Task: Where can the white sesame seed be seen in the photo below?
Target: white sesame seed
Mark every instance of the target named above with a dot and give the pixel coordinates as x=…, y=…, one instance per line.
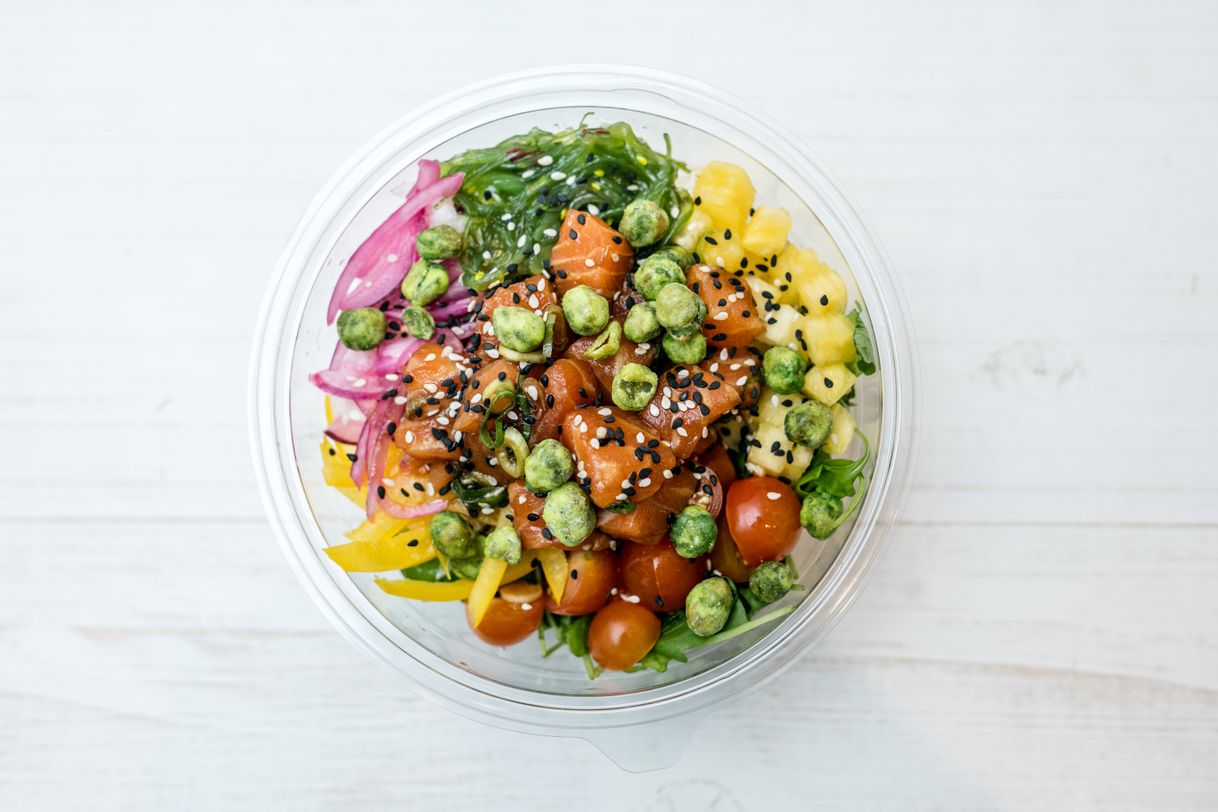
x=605, y=412
x=400, y=400
x=545, y=160
x=593, y=210
x=667, y=474
x=557, y=175
x=589, y=262
x=360, y=381
x=644, y=482
x=506, y=217
x=655, y=412
x=720, y=316
x=742, y=380
x=773, y=496
x=526, y=174
x=549, y=232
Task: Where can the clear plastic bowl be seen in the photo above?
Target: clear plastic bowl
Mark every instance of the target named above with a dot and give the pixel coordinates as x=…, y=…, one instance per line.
x=641, y=720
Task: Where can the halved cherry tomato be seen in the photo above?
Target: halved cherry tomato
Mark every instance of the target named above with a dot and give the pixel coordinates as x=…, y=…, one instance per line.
x=763, y=518
x=590, y=577
x=726, y=559
x=657, y=574
x=716, y=459
x=507, y=622
x=621, y=634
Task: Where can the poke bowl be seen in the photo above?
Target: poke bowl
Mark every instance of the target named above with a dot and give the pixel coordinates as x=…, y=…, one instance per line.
x=745, y=363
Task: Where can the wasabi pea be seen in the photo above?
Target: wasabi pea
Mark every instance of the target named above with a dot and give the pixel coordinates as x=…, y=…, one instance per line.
x=684, y=350
x=693, y=532
x=641, y=323
x=517, y=328
x=586, y=311
x=708, y=606
x=504, y=543
x=771, y=580
x=424, y=283
x=679, y=310
x=677, y=254
x=654, y=273
x=808, y=424
x=784, y=370
x=548, y=466
x=418, y=322
x=607, y=343
x=438, y=242
x=819, y=514
x=643, y=222
x=633, y=387
x=451, y=534
x=361, y=329
x=568, y=514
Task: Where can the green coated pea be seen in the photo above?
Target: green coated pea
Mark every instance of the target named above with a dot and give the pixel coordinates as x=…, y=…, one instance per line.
x=819, y=513
x=362, y=328
x=654, y=273
x=641, y=323
x=677, y=254
x=586, y=311
x=679, y=310
x=633, y=387
x=451, y=534
x=784, y=370
x=438, y=242
x=517, y=328
x=808, y=424
x=643, y=222
x=606, y=344
x=684, y=350
x=771, y=580
x=693, y=532
x=424, y=283
x=568, y=514
x=504, y=543
x=548, y=465
x=418, y=322
x=708, y=606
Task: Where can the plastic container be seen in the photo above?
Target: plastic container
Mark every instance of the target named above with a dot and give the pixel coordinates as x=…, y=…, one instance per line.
x=642, y=720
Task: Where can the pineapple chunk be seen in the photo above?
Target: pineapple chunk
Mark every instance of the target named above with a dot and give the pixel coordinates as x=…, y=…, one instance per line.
x=830, y=338
x=801, y=457
x=781, y=322
x=768, y=449
x=724, y=192
x=766, y=232
x=718, y=248
x=828, y=383
x=841, y=435
x=698, y=224
x=794, y=264
x=772, y=408
x=822, y=292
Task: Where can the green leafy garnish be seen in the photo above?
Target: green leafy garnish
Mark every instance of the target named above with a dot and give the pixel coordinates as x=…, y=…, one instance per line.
x=676, y=639
x=477, y=490
x=529, y=181
x=834, y=477
x=431, y=570
x=864, y=363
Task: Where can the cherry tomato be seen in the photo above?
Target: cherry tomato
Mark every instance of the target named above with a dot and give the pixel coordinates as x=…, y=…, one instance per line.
x=590, y=576
x=763, y=518
x=725, y=557
x=716, y=459
x=657, y=574
x=508, y=622
x=621, y=634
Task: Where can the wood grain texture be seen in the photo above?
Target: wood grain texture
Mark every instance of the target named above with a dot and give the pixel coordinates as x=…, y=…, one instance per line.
x=1044, y=630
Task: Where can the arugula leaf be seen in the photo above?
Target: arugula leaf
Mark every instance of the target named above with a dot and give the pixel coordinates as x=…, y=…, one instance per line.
x=676, y=638
x=864, y=363
x=833, y=477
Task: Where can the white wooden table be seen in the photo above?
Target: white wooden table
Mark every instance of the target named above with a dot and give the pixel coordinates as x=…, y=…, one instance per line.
x=1043, y=632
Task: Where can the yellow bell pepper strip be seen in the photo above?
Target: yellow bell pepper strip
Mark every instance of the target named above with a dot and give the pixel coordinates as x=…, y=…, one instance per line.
x=357, y=495
x=329, y=411
x=450, y=590
x=490, y=574
x=383, y=526
x=554, y=565
x=394, y=552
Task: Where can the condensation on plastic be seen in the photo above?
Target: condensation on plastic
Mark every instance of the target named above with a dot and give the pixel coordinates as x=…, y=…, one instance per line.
x=643, y=720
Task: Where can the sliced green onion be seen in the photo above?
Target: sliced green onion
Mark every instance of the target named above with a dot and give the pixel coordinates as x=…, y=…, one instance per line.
x=513, y=453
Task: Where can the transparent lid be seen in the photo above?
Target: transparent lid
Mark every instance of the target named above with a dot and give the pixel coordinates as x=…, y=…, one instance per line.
x=430, y=644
